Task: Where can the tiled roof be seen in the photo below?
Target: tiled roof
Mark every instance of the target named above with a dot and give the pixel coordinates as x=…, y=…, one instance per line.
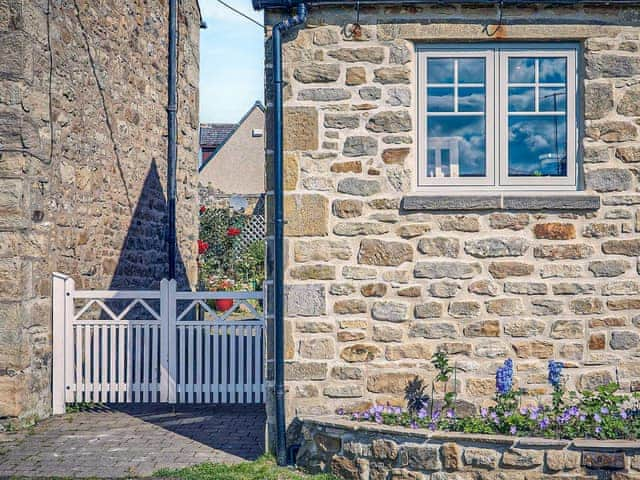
x=213, y=134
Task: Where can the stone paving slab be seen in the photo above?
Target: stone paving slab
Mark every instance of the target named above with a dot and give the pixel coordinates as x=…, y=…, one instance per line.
x=134, y=440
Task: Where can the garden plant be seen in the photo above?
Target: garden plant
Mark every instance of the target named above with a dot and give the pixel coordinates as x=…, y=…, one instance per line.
x=601, y=414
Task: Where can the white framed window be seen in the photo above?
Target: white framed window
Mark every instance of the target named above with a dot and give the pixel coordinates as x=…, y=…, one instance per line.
x=497, y=116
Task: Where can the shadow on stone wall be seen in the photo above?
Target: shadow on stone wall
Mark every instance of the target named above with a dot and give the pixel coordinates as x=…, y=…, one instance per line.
x=143, y=259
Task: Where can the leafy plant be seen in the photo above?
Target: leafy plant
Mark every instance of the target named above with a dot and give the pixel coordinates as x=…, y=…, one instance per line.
x=415, y=395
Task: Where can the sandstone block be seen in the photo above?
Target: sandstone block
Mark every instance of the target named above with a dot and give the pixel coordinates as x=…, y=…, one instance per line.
x=624, y=340
x=433, y=330
x=525, y=288
x=630, y=247
x=518, y=458
x=317, y=348
x=480, y=458
x=390, y=311
x=533, y=349
x=460, y=223
x=628, y=154
x=297, y=371
x=496, y=247
x=392, y=75
x=555, y=231
x=358, y=186
x=390, y=122
x=563, y=252
x=389, y=382
x=505, y=307
x=348, y=208
x=395, y=156
x=383, y=253
x=354, y=229
x=358, y=146
x=350, y=307
x=629, y=104
x=598, y=100
x=567, y=329
x=386, y=334
x=453, y=270
x=612, y=131
x=307, y=215
x=439, y=247
x=509, y=221
x=355, y=76
x=323, y=95
x=524, y=328
x=594, y=379
x=484, y=287
x=360, y=353
x=428, y=310
x=300, y=128
x=374, y=290
x=317, y=73
x=305, y=300
x=464, y=309
x=485, y=328
x=362, y=54
x=510, y=269
x=370, y=93
x=423, y=457
x=313, y=272
x=414, y=351
x=609, y=179
x=586, y=306
x=321, y=251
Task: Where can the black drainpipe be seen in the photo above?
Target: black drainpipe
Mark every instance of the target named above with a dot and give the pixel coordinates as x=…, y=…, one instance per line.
x=172, y=131
x=278, y=30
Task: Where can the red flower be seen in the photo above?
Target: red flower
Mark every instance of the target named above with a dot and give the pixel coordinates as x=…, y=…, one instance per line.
x=232, y=232
x=202, y=247
x=203, y=209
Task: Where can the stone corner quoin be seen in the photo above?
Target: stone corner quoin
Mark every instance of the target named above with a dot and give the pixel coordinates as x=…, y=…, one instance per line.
x=380, y=276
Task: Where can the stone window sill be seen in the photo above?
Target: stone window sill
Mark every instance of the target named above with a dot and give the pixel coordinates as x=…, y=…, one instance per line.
x=501, y=201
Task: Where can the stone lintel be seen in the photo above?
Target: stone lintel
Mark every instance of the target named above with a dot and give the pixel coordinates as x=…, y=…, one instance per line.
x=568, y=201
x=474, y=202
x=451, y=202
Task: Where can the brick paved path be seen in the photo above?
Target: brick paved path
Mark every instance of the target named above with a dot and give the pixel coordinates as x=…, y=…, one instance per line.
x=124, y=441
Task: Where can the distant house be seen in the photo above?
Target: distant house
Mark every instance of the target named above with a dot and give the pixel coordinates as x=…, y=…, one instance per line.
x=233, y=155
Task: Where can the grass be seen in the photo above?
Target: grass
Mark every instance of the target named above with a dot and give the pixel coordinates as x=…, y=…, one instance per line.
x=264, y=468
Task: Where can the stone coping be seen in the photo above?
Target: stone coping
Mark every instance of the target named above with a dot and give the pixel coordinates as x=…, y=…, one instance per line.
x=501, y=201
x=477, y=438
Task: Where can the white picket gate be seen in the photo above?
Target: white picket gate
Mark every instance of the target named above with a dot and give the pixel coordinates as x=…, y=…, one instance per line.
x=184, y=351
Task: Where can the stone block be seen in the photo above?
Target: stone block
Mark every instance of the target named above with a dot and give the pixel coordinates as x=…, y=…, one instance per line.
x=300, y=128
x=598, y=99
x=392, y=75
x=630, y=247
x=555, y=231
x=609, y=179
x=423, y=457
x=305, y=300
x=451, y=202
x=518, y=458
x=563, y=252
x=389, y=382
x=313, y=272
x=383, y=253
x=341, y=121
x=480, y=458
x=389, y=311
x=297, y=371
x=453, y=270
x=439, y=247
x=317, y=73
x=362, y=54
x=321, y=251
x=350, y=307
x=629, y=104
x=390, y=122
x=603, y=460
x=359, y=146
x=307, y=215
x=505, y=307
x=320, y=95
x=360, y=353
x=356, y=76
x=317, y=348
x=496, y=247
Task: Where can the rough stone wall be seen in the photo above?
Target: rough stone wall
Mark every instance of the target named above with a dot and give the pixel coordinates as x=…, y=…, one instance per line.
x=354, y=451
x=374, y=288
x=83, y=165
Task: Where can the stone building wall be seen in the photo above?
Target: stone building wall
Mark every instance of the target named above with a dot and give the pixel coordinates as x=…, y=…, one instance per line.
x=83, y=165
x=379, y=278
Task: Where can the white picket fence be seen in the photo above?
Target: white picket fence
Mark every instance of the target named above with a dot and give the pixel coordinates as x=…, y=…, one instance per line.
x=125, y=346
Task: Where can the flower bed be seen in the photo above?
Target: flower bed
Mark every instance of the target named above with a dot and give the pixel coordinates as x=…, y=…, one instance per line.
x=369, y=451
x=602, y=414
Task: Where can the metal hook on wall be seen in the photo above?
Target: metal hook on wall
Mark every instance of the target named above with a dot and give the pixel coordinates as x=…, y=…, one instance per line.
x=485, y=29
x=356, y=28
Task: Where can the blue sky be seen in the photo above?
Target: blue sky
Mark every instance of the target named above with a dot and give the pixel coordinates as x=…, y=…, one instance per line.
x=231, y=61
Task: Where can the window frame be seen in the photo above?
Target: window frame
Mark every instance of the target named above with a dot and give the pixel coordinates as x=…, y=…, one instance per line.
x=496, y=117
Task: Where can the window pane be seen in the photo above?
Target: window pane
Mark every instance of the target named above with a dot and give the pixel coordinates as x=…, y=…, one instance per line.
x=471, y=99
x=471, y=70
x=521, y=70
x=522, y=99
x=553, y=70
x=553, y=99
x=537, y=146
x=440, y=70
x=456, y=144
x=439, y=99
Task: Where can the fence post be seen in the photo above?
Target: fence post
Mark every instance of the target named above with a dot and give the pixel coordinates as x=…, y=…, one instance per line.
x=58, y=333
x=164, y=340
x=69, y=314
x=172, y=330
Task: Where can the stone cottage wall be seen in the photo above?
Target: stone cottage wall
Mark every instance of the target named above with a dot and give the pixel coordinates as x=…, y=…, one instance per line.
x=83, y=165
x=379, y=278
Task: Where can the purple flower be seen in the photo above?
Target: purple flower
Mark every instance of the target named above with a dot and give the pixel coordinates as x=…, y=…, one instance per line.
x=356, y=416
x=582, y=418
x=413, y=424
x=504, y=377
x=598, y=429
x=494, y=417
x=523, y=410
x=432, y=426
x=450, y=414
x=533, y=415
x=397, y=411
x=597, y=418
x=555, y=371
x=366, y=415
x=340, y=411
x=604, y=410
x=544, y=423
x=513, y=430
x=574, y=411
x=378, y=419
x=624, y=415
x=483, y=412
x=422, y=413
x=436, y=415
